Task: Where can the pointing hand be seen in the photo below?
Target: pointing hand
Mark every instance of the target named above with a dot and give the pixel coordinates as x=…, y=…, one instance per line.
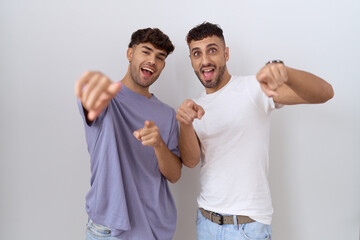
x=95, y=91
x=188, y=111
x=271, y=77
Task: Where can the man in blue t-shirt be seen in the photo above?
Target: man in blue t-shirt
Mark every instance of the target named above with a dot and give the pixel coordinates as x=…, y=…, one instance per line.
x=132, y=140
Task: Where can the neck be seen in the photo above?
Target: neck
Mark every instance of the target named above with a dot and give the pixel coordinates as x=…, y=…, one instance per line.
x=133, y=86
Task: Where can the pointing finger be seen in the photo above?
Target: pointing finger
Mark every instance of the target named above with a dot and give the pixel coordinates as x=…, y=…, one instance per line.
x=199, y=110
x=114, y=88
x=148, y=124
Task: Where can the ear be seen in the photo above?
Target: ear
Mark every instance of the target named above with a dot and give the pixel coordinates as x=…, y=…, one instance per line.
x=227, y=56
x=129, y=54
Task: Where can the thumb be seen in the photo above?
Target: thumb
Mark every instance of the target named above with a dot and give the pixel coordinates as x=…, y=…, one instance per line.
x=199, y=110
x=114, y=88
x=137, y=134
x=268, y=91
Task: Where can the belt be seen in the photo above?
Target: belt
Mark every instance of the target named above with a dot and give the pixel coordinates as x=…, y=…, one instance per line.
x=219, y=219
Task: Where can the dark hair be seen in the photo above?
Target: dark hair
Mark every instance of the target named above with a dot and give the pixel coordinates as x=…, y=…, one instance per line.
x=153, y=36
x=204, y=30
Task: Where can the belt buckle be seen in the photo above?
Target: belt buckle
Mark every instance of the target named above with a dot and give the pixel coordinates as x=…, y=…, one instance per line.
x=220, y=216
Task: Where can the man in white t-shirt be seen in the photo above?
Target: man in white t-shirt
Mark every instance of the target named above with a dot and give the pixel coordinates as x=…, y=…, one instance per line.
x=228, y=128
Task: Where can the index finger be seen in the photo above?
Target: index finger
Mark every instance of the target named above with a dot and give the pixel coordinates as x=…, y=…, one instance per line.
x=148, y=124
x=199, y=110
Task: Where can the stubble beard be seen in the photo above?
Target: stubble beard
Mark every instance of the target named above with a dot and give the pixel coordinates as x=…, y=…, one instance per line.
x=217, y=81
x=136, y=78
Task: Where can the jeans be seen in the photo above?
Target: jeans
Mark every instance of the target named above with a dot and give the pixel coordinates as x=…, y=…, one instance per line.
x=207, y=230
x=98, y=232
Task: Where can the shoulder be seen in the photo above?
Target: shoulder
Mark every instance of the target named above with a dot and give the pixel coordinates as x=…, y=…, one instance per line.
x=251, y=84
x=163, y=107
x=244, y=80
x=241, y=82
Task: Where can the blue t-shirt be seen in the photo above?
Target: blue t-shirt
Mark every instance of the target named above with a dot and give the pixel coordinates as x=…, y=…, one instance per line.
x=128, y=192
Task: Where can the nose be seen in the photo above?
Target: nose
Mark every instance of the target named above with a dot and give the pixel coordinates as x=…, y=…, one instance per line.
x=205, y=60
x=151, y=59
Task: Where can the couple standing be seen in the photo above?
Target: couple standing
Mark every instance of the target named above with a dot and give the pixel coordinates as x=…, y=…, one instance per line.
x=135, y=145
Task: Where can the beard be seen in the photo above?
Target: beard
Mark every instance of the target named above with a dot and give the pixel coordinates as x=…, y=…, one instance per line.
x=218, y=78
x=136, y=76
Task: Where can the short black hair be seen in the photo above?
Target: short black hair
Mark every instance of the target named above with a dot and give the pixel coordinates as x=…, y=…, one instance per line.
x=154, y=36
x=204, y=30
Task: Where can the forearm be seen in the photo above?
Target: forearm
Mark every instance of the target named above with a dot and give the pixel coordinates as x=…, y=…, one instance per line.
x=308, y=86
x=189, y=146
x=169, y=164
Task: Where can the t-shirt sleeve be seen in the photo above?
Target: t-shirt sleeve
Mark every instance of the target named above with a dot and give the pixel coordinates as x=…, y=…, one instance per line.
x=97, y=121
x=173, y=141
x=263, y=103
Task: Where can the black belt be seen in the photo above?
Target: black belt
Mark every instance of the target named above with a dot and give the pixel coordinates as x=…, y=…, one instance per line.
x=219, y=219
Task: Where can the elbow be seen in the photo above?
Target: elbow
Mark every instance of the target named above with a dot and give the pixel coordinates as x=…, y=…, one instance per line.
x=192, y=163
x=322, y=96
x=175, y=178
x=331, y=93
x=328, y=94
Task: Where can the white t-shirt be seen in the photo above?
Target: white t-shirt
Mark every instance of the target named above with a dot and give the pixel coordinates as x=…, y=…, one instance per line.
x=234, y=135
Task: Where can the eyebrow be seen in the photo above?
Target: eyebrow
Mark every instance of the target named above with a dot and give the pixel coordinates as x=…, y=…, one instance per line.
x=207, y=46
x=152, y=50
x=146, y=47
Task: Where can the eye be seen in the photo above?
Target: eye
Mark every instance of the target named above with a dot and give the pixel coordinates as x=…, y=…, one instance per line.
x=196, y=54
x=146, y=52
x=160, y=58
x=212, y=50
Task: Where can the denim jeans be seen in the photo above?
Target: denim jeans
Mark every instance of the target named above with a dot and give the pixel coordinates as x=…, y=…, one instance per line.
x=98, y=232
x=207, y=230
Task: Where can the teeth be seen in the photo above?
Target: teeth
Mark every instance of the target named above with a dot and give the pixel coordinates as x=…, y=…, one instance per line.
x=208, y=70
x=148, y=69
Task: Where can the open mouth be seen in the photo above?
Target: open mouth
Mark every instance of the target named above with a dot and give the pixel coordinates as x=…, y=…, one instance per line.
x=147, y=71
x=208, y=73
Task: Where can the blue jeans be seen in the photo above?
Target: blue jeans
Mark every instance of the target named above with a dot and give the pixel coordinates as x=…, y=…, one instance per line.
x=207, y=230
x=98, y=232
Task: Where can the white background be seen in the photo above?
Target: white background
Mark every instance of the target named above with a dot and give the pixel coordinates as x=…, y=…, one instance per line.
x=46, y=45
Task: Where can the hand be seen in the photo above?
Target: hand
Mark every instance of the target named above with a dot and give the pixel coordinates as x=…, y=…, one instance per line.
x=95, y=91
x=271, y=77
x=188, y=111
x=149, y=135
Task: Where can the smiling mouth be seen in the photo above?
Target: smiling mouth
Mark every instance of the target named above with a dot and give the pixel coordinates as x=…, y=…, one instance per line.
x=147, y=71
x=208, y=73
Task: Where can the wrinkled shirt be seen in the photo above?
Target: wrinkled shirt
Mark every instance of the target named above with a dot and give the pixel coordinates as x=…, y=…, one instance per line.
x=128, y=192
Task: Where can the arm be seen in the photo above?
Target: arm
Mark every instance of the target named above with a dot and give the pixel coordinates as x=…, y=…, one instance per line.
x=189, y=143
x=170, y=165
x=291, y=86
x=95, y=92
x=189, y=146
